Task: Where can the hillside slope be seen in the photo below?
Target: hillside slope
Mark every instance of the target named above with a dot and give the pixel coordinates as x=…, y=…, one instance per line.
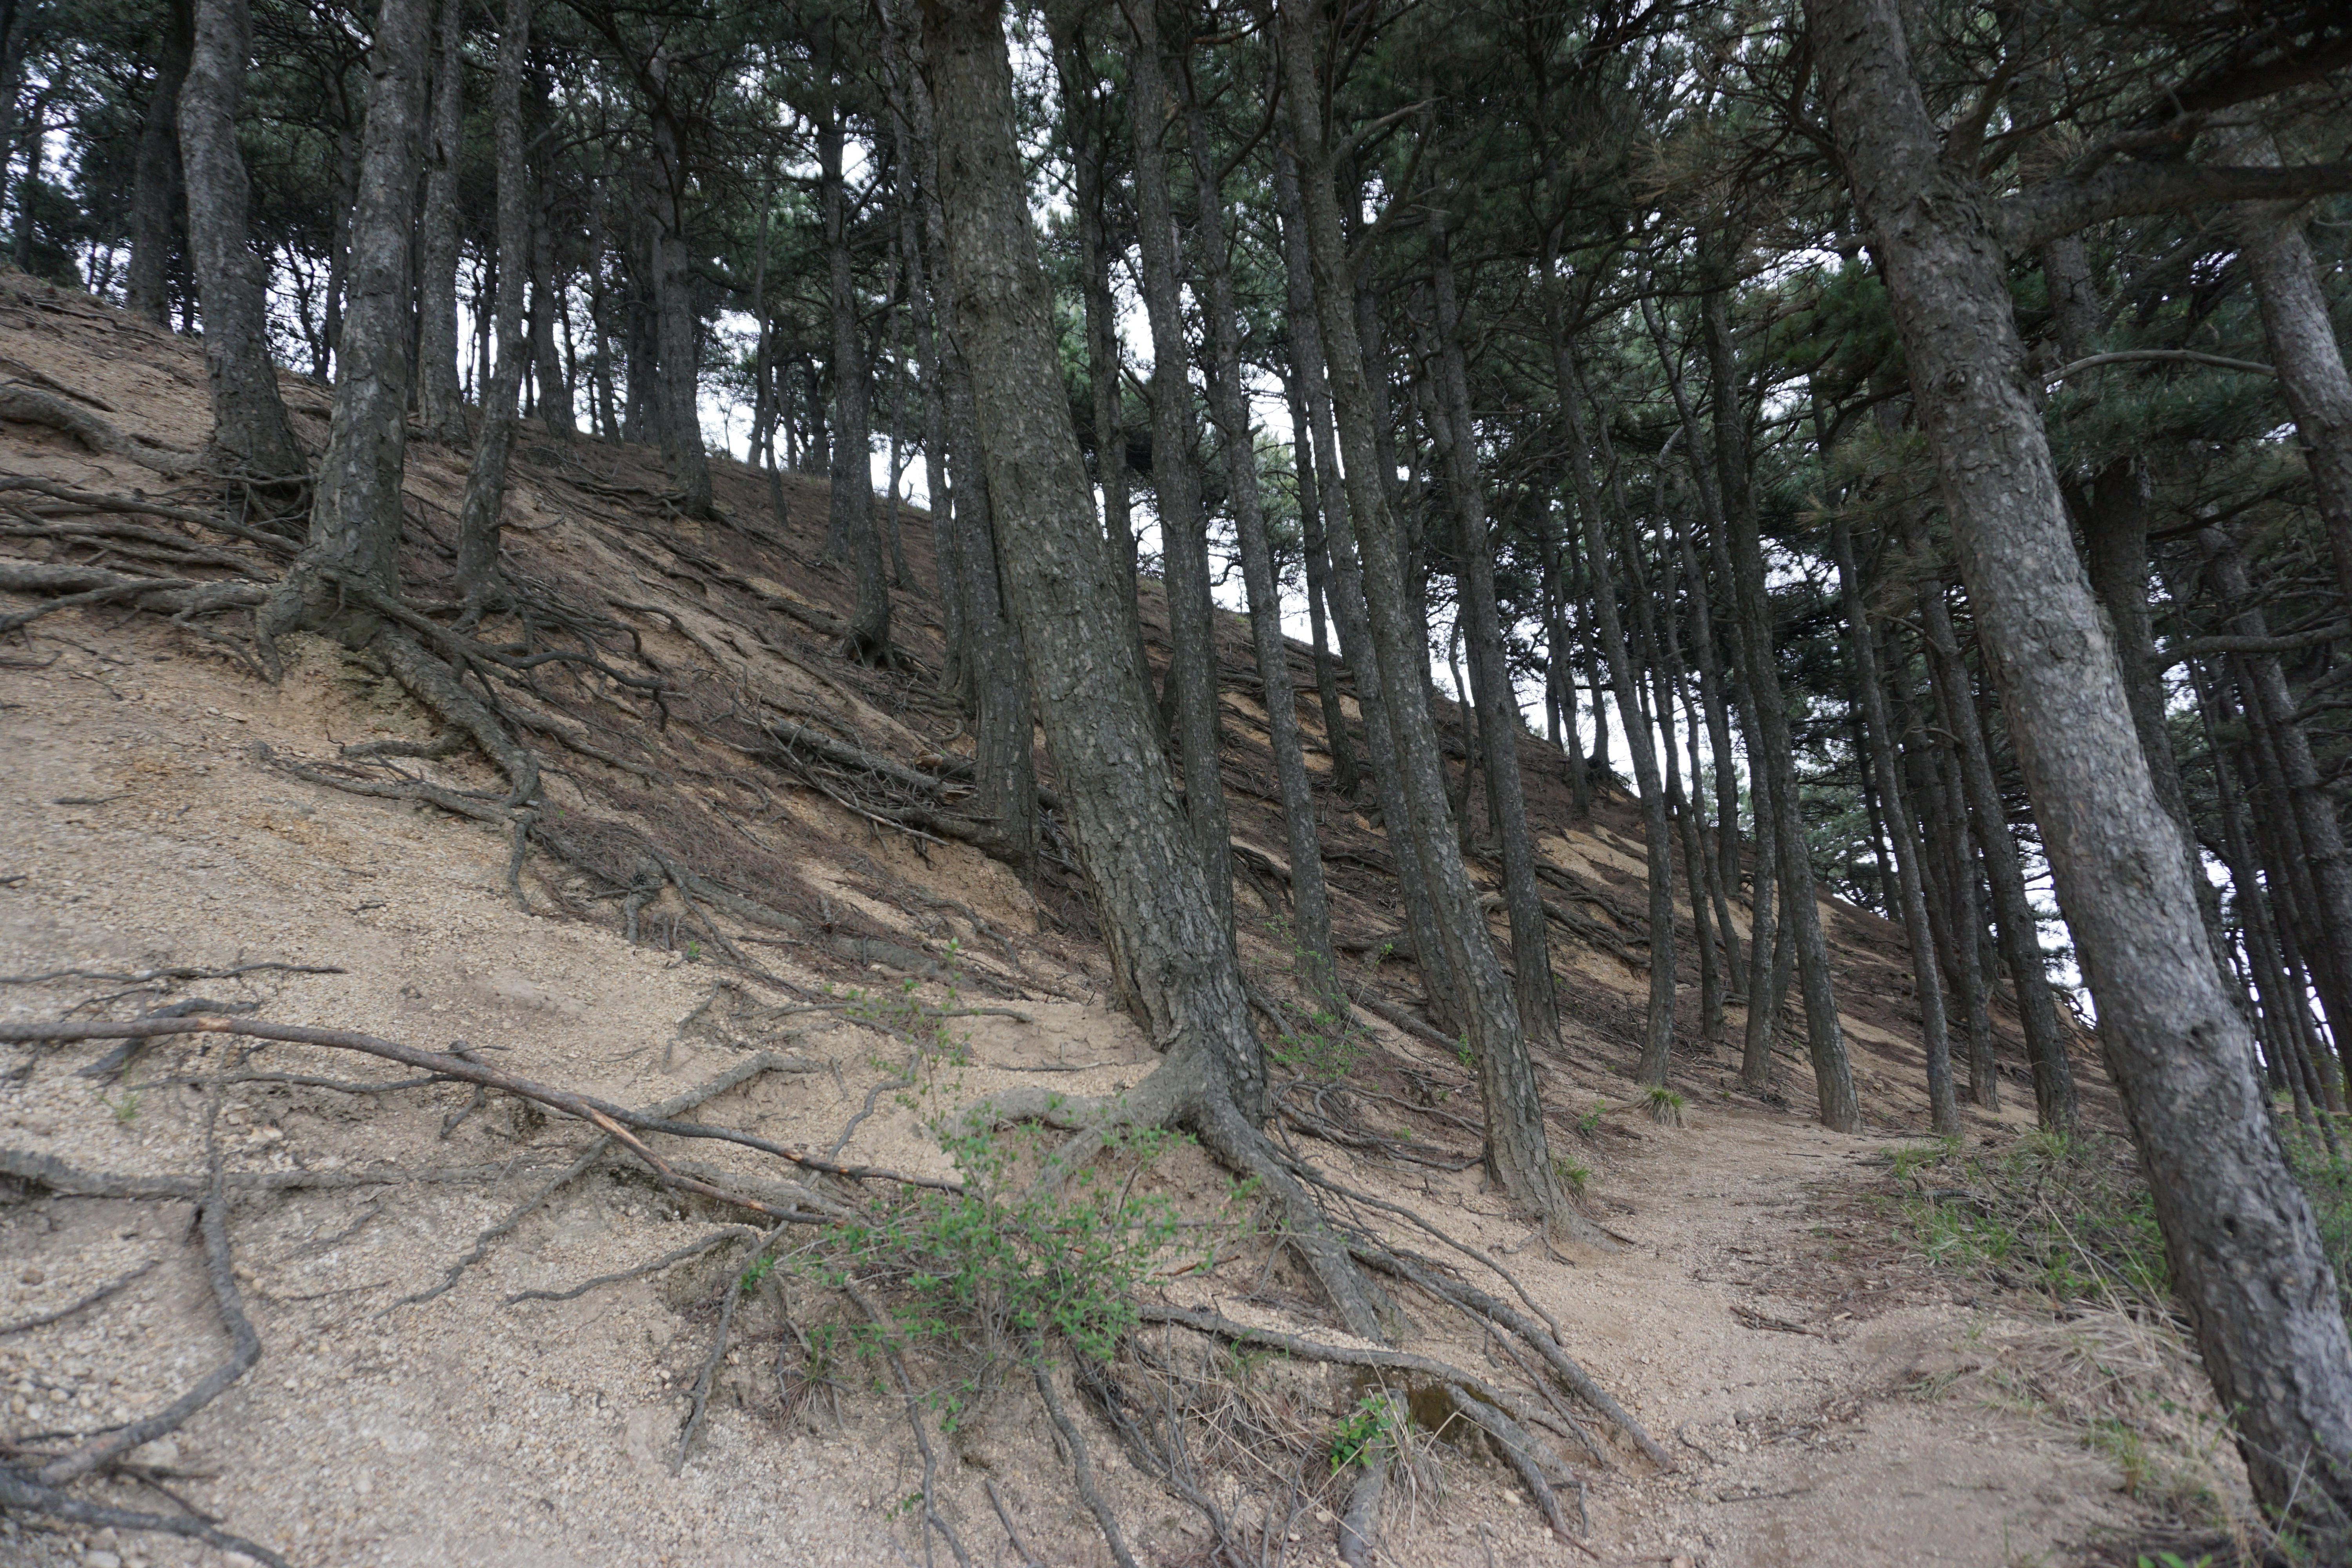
x=702, y=887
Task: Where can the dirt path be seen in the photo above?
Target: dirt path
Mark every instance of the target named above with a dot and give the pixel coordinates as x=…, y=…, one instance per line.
x=1821, y=1448
x=138, y=827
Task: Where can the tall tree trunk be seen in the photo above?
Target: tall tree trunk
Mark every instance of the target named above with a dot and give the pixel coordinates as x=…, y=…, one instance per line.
x=2236, y=1225
x=1168, y=944
x=1347, y=603
x=1089, y=156
x=1832, y=1075
x=1347, y=773
x=355, y=514
x=553, y=403
x=1948, y=876
x=852, y=519
x=440, y=403
x=1658, y=1034
x=1517, y=1153
x=675, y=383
x=1310, y=899
x=156, y=181
x=486, y=482
x=250, y=435
x=1175, y=441
x=2321, y=864
x=2303, y=347
x=1878, y=730
x=1498, y=706
x=2014, y=918
x=973, y=557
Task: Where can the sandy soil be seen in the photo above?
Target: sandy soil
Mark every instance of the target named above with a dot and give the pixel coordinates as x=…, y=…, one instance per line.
x=1822, y=1412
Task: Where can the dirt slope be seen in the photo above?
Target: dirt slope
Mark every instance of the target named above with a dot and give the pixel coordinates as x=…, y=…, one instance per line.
x=1824, y=1410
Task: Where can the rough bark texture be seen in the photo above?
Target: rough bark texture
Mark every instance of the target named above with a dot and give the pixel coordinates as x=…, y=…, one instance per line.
x=1658, y=1034
x=1800, y=910
x=1517, y=1153
x=1878, y=728
x=251, y=433
x=1310, y=898
x=356, y=513
x=1174, y=962
x=1175, y=441
x=2236, y=1225
x=2014, y=918
x=155, y=180
x=486, y=482
x=440, y=401
x=2304, y=350
x=852, y=521
x=1498, y=704
x=1347, y=595
x=676, y=384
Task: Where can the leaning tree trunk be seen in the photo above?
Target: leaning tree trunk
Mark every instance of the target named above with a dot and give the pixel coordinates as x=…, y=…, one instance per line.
x=440, y=401
x=155, y=180
x=1658, y=1034
x=1171, y=949
x=1517, y=1153
x=852, y=519
x=2013, y=917
x=999, y=692
x=2237, y=1226
x=355, y=514
x=1498, y=706
x=1089, y=152
x=1800, y=912
x=1878, y=730
x=1310, y=898
x=486, y=482
x=675, y=383
x=1309, y=362
x=1175, y=439
x=251, y=435
x=2303, y=348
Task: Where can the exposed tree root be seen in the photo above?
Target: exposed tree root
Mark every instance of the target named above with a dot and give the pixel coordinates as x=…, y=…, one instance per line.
x=28, y=406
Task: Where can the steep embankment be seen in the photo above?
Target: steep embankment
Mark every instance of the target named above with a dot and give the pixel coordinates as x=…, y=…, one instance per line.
x=169, y=821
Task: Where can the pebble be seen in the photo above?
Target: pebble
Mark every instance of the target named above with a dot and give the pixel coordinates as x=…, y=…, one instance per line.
x=102, y=1559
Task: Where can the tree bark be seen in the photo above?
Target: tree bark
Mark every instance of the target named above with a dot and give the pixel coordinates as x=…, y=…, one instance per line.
x=852, y=521
x=1089, y=156
x=440, y=402
x=1310, y=899
x=1348, y=605
x=676, y=385
x=155, y=182
x=2236, y=1225
x=356, y=511
x=250, y=435
x=1517, y=1153
x=1832, y=1075
x=1658, y=1033
x=2013, y=919
x=2304, y=348
x=1175, y=442
x=486, y=482
x=1170, y=947
x=1878, y=729
x=1498, y=704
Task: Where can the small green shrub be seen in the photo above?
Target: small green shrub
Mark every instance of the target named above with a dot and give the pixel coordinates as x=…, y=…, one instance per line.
x=1373, y=1422
x=1666, y=1106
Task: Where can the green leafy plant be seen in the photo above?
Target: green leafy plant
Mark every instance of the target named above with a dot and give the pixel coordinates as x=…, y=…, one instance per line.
x=1590, y=1122
x=1666, y=1106
x=1373, y=1422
